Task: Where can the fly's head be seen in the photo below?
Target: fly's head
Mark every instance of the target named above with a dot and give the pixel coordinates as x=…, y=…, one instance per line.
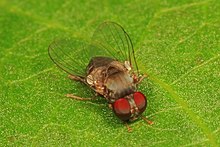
x=130, y=107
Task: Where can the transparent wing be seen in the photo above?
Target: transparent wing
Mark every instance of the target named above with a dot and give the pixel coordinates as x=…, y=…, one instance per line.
x=70, y=55
x=108, y=40
x=111, y=40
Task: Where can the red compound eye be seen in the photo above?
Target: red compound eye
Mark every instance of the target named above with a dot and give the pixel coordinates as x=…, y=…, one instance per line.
x=140, y=101
x=122, y=109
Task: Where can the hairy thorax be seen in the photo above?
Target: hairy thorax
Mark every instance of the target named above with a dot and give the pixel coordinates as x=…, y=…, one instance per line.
x=110, y=78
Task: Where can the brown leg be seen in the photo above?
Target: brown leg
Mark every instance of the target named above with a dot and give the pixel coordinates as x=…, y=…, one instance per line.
x=141, y=78
x=76, y=78
x=148, y=121
x=110, y=106
x=128, y=127
x=79, y=98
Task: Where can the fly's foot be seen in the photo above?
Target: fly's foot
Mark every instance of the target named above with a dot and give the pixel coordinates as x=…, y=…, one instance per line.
x=146, y=120
x=142, y=78
x=75, y=78
x=110, y=106
x=138, y=80
x=78, y=98
x=128, y=127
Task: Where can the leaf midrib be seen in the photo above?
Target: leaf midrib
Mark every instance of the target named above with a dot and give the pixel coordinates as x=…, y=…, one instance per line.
x=196, y=119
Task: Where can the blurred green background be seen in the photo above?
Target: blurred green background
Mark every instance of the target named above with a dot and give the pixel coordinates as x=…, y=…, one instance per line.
x=177, y=44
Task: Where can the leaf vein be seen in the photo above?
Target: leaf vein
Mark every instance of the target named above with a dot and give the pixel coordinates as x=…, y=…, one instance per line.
x=29, y=77
x=194, y=117
x=184, y=6
x=195, y=68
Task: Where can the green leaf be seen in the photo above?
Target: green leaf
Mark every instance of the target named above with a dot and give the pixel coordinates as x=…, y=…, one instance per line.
x=177, y=43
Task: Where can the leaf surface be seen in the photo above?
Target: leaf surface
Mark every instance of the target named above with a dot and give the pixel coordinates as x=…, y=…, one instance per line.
x=177, y=45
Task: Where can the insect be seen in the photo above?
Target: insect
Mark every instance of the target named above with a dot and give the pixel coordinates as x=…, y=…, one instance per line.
x=107, y=65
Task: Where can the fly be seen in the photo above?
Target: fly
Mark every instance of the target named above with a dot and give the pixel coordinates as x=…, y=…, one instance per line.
x=107, y=65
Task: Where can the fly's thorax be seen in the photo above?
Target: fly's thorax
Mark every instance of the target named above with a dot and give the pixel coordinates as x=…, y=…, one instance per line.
x=96, y=80
x=110, y=78
x=119, y=85
x=98, y=62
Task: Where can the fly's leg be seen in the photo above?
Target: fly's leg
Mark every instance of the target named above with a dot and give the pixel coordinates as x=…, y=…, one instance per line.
x=141, y=78
x=128, y=127
x=138, y=80
x=78, y=98
x=81, y=98
x=76, y=78
x=148, y=121
x=110, y=106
